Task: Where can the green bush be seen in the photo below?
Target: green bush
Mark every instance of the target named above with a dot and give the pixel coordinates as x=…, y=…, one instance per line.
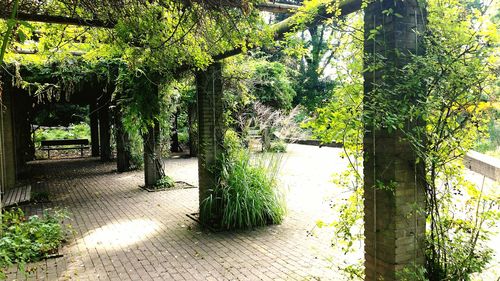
x=164, y=182
x=183, y=136
x=278, y=146
x=247, y=194
x=29, y=239
x=491, y=144
x=79, y=131
x=272, y=85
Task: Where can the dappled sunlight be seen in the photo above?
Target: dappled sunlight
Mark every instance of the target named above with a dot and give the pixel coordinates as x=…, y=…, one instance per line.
x=120, y=234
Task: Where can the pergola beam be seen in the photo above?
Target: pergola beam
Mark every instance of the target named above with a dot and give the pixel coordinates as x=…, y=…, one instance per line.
x=277, y=8
x=35, y=51
x=267, y=7
x=63, y=20
x=346, y=7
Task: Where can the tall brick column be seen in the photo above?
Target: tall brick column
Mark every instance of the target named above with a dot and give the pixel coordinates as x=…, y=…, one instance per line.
x=193, y=129
x=210, y=130
x=153, y=165
x=94, y=129
x=23, y=141
x=123, y=156
x=104, y=129
x=8, y=157
x=394, y=192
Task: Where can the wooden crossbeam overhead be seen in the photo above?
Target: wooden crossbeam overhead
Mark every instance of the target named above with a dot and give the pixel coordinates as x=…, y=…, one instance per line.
x=346, y=7
x=64, y=20
x=35, y=51
x=267, y=7
x=277, y=7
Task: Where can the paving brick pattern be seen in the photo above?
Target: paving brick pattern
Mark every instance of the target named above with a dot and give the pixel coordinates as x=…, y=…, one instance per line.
x=122, y=232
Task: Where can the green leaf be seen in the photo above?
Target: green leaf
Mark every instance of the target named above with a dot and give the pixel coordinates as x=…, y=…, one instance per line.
x=21, y=36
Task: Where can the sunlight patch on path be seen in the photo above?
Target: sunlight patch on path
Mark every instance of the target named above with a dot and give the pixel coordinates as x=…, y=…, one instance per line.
x=120, y=234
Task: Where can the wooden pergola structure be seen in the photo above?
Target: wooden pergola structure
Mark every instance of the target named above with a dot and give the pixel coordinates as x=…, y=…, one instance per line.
x=394, y=230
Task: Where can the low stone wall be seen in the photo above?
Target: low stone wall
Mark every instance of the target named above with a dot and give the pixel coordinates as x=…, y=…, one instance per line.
x=483, y=164
x=313, y=142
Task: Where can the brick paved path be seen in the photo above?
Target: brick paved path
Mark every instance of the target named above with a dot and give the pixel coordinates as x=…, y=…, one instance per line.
x=125, y=233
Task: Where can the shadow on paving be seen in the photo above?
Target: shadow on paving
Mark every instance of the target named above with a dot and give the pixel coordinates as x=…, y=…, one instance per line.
x=69, y=168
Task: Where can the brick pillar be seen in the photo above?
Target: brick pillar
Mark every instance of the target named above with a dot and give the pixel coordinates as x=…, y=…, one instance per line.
x=25, y=148
x=393, y=187
x=104, y=130
x=175, y=146
x=210, y=130
x=7, y=159
x=94, y=129
x=123, y=156
x=193, y=129
x=153, y=166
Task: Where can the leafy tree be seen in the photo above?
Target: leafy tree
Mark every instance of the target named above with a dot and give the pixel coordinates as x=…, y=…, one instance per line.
x=248, y=80
x=311, y=85
x=272, y=86
x=307, y=60
x=61, y=115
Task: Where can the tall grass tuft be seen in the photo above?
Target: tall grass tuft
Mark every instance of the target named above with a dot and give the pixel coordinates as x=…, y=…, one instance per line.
x=247, y=194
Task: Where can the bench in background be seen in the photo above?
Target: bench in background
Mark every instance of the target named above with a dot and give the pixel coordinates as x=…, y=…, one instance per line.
x=80, y=144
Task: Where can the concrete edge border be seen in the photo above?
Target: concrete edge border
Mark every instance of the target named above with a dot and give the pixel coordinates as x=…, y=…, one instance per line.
x=313, y=142
x=483, y=164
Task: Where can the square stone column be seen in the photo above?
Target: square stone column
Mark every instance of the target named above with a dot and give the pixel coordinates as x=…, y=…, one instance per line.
x=394, y=194
x=104, y=129
x=7, y=141
x=94, y=129
x=153, y=165
x=123, y=154
x=210, y=132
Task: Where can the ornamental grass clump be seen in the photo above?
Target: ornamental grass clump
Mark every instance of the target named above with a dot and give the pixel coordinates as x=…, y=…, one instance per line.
x=247, y=194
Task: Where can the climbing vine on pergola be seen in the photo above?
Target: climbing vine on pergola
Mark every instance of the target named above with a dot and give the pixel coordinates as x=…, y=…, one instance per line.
x=424, y=88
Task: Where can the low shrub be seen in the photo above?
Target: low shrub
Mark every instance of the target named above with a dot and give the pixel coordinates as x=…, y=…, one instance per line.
x=28, y=239
x=78, y=131
x=247, y=194
x=183, y=136
x=278, y=146
x=164, y=182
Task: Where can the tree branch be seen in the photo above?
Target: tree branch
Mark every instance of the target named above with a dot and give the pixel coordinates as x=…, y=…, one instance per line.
x=281, y=28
